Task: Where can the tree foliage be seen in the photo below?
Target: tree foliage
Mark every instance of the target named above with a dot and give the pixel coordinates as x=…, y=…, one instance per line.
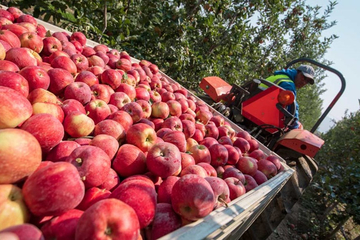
x=337, y=182
x=237, y=40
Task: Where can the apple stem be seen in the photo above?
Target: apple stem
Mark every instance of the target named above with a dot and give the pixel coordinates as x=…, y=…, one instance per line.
x=223, y=202
x=108, y=231
x=79, y=161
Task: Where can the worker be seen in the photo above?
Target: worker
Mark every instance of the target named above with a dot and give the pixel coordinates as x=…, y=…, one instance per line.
x=293, y=79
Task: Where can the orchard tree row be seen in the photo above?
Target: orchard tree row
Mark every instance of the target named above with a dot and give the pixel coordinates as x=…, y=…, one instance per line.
x=188, y=40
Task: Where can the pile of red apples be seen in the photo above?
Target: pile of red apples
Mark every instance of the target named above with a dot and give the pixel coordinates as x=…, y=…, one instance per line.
x=97, y=145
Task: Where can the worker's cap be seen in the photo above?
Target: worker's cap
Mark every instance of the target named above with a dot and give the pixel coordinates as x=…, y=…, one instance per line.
x=308, y=72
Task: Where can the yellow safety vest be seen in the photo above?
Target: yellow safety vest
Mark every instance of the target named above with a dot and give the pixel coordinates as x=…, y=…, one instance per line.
x=276, y=79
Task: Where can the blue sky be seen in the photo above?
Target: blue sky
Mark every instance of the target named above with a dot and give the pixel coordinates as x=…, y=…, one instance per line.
x=345, y=54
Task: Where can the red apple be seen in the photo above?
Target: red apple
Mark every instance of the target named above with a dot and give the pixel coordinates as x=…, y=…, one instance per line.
x=200, y=153
x=221, y=191
x=107, y=143
x=247, y=165
x=129, y=161
x=50, y=108
x=260, y=177
x=78, y=124
x=51, y=44
x=135, y=110
x=192, y=197
x=22, y=57
x=267, y=167
x=71, y=105
x=36, y=76
x=110, y=127
x=108, y=218
x=47, y=190
x=250, y=183
x=233, y=172
x=31, y=40
x=9, y=66
x=61, y=151
x=173, y=123
x=177, y=138
x=141, y=135
x=186, y=160
x=79, y=91
x=164, y=159
x=81, y=62
x=236, y=187
x=100, y=91
x=59, y=79
x=210, y=170
x=123, y=118
x=160, y=110
x=111, y=182
x=92, y=196
x=47, y=129
x=97, y=110
x=165, y=189
x=165, y=221
x=78, y=36
x=242, y=144
x=194, y=169
x=21, y=232
x=243, y=134
x=119, y=99
x=92, y=163
x=146, y=108
x=18, y=82
x=233, y=154
x=10, y=38
x=258, y=154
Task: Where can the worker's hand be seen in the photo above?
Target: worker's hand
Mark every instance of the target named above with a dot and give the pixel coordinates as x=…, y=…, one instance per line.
x=300, y=126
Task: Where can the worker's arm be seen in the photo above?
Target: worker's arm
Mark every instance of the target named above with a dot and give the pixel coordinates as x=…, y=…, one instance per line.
x=291, y=86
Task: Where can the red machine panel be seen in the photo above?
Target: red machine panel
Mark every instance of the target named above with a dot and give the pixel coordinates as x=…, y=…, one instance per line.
x=215, y=87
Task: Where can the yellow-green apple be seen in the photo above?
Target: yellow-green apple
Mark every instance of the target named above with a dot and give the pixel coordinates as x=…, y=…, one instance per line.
x=22, y=232
x=50, y=108
x=219, y=155
x=59, y=79
x=160, y=110
x=260, y=177
x=129, y=160
x=112, y=128
x=236, y=187
x=221, y=191
x=146, y=108
x=97, y=110
x=26, y=18
x=247, y=165
x=141, y=135
x=200, y=153
x=22, y=57
x=78, y=124
x=18, y=82
x=177, y=138
x=66, y=63
x=95, y=60
x=92, y=196
x=166, y=220
x=13, y=210
x=173, y=123
x=92, y=163
x=141, y=196
x=107, y=143
x=10, y=38
x=108, y=218
x=123, y=118
x=134, y=109
x=31, y=40
x=61, y=151
x=192, y=197
x=62, y=227
x=194, y=169
x=14, y=108
x=111, y=77
x=111, y=182
x=43, y=95
x=9, y=66
x=165, y=189
x=164, y=159
x=51, y=44
x=79, y=91
x=250, y=183
x=233, y=172
x=242, y=144
x=46, y=128
x=234, y=154
x=36, y=76
x=119, y=99
x=72, y=105
x=53, y=189
x=267, y=167
x=210, y=170
x=78, y=36
x=258, y=154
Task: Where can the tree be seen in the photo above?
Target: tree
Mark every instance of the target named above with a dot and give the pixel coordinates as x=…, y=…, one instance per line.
x=337, y=187
x=237, y=40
